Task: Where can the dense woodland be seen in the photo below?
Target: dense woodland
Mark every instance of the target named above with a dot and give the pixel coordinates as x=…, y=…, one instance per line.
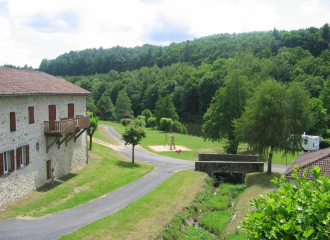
x=210, y=80
x=192, y=71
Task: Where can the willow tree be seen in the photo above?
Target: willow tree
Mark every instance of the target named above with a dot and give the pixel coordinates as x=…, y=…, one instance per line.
x=275, y=118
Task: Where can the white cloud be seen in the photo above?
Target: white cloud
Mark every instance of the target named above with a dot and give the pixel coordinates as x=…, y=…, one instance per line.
x=310, y=7
x=36, y=29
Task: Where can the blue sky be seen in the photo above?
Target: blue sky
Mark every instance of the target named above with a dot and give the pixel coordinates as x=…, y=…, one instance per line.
x=36, y=29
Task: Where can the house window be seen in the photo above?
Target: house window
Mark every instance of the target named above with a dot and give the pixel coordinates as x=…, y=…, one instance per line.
x=37, y=146
x=7, y=163
x=12, y=121
x=31, y=115
x=305, y=141
x=22, y=156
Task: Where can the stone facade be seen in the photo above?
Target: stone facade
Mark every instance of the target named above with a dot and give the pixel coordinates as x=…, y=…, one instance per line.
x=63, y=160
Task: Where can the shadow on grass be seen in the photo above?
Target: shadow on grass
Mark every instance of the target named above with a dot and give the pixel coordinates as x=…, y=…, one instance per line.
x=68, y=177
x=55, y=183
x=49, y=186
x=127, y=164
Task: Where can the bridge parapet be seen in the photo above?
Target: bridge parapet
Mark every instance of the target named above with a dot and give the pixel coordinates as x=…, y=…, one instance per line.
x=228, y=164
x=227, y=157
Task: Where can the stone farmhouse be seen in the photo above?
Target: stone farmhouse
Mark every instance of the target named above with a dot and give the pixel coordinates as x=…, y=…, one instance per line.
x=307, y=161
x=42, y=130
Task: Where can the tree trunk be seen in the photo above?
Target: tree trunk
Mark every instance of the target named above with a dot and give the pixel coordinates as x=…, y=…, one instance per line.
x=132, y=153
x=269, y=170
x=90, y=141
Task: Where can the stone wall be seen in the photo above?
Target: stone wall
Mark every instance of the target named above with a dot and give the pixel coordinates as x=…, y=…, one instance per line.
x=229, y=167
x=228, y=164
x=227, y=157
x=68, y=158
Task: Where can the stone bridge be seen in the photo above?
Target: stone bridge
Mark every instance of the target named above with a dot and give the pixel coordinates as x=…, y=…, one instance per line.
x=228, y=165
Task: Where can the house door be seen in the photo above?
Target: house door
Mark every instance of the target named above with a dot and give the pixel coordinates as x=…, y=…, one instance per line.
x=49, y=169
x=52, y=117
x=70, y=110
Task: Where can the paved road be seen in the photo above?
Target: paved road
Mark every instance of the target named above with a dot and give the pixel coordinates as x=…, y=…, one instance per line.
x=55, y=225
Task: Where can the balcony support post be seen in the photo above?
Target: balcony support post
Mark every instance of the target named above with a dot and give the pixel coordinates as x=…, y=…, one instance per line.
x=50, y=144
x=81, y=132
x=65, y=139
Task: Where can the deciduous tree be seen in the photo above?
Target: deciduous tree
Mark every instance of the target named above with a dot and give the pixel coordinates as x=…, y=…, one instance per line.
x=94, y=122
x=133, y=134
x=272, y=115
x=227, y=105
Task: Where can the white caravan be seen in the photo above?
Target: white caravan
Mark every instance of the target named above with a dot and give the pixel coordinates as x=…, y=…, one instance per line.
x=310, y=143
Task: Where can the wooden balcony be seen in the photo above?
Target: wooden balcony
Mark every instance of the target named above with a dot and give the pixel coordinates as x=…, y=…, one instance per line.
x=60, y=127
x=82, y=121
x=66, y=125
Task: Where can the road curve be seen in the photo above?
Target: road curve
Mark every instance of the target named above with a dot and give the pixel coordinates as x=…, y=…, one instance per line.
x=55, y=225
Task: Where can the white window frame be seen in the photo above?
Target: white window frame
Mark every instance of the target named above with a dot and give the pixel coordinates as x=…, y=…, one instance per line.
x=6, y=162
x=23, y=156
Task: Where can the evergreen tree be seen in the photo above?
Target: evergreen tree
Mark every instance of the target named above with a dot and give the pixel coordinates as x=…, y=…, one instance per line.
x=106, y=106
x=165, y=109
x=123, y=105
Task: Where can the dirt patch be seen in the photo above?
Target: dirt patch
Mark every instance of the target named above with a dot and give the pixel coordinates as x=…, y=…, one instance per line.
x=161, y=148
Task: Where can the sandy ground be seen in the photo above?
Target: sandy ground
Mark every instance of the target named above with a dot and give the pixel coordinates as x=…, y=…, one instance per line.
x=161, y=148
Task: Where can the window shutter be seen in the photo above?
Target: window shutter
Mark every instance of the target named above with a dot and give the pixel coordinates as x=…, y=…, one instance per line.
x=70, y=110
x=12, y=155
x=31, y=115
x=1, y=165
x=27, y=154
x=12, y=121
x=18, y=158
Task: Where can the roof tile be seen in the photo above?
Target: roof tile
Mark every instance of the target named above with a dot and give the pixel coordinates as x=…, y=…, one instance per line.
x=23, y=82
x=308, y=160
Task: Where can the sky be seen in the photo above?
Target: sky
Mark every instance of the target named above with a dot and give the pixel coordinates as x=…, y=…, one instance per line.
x=32, y=30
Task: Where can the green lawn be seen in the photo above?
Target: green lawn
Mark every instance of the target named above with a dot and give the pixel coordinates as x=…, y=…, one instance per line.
x=157, y=137
x=106, y=172
x=196, y=144
x=146, y=217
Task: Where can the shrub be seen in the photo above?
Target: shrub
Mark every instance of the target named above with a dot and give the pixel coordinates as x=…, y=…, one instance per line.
x=166, y=124
x=177, y=127
x=126, y=115
x=98, y=112
x=184, y=130
x=325, y=143
x=142, y=119
x=292, y=212
x=125, y=121
x=146, y=113
x=152, y=122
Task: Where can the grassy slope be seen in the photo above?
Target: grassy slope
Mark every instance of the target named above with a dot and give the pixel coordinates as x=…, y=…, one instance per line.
x=257, y=184
x=103, y=174
x=102, y=135
x=146, y=217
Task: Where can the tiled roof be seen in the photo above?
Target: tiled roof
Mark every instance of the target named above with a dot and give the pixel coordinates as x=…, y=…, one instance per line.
x=308, y=160
x=21, y=82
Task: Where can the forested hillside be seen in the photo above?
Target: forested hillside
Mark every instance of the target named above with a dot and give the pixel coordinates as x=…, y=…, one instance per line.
x=202, y=50
x=300, y=56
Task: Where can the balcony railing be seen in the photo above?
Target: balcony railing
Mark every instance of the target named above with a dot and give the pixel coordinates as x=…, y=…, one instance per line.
x=60, y=127
x=67, y=125
x=82, y=121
